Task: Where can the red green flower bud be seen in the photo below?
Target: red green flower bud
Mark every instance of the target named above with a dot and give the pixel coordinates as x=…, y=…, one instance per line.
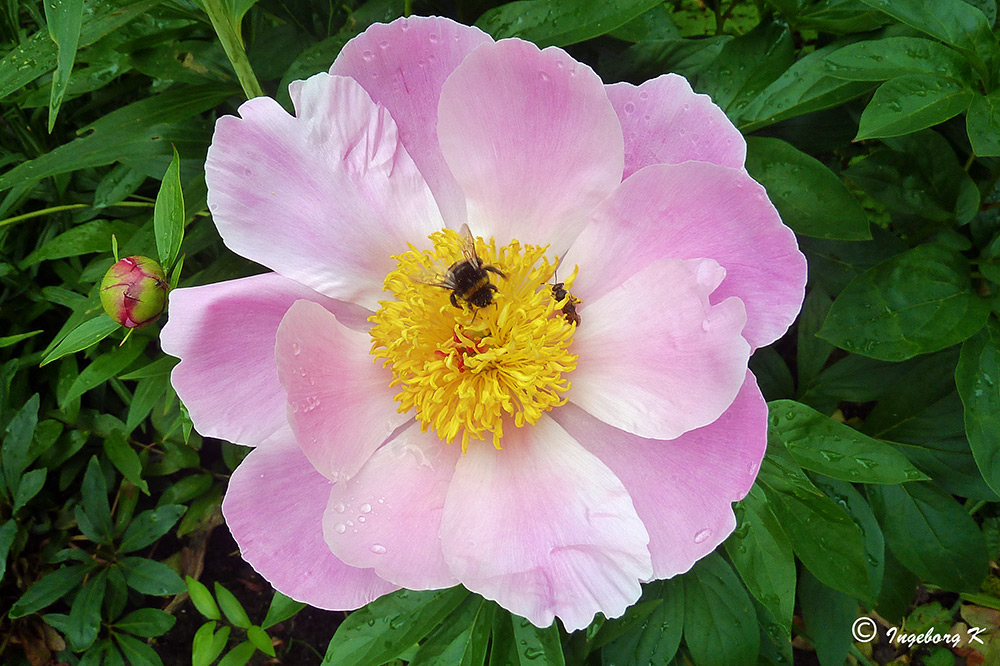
x=134, y=291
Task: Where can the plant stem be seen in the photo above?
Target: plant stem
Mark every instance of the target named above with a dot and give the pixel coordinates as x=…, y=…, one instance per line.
x=232, y=43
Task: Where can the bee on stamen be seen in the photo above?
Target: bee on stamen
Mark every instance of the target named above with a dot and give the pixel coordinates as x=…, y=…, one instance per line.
x=468, y=279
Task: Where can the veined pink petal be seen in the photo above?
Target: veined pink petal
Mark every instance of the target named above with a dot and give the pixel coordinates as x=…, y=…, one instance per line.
x=274, y=508
x=325, y=197
x=224, y=335
x=532, y=139
x=403, y=65
x=340, y=405
x=544, y=529
x=683, y=489
x=388, y=515
x=655, y=358
x=665, y=122
x=694, y=210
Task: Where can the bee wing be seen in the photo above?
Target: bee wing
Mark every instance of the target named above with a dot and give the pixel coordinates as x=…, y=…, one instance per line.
x=469, y=246
x=435, y=278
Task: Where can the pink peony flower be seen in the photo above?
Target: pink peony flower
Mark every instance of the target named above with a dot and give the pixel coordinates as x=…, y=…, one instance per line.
x=402, y=440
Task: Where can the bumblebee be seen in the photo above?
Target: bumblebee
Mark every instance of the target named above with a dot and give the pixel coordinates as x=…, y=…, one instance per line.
x=569, y=310
x=469, y=278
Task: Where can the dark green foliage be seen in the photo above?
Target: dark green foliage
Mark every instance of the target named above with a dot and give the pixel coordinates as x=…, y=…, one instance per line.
x=874, y=125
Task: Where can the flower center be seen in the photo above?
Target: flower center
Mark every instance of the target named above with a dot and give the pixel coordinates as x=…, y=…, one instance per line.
x=475, y=343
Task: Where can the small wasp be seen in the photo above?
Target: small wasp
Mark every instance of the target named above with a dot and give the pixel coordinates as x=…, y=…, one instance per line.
x=569, y=309
x=469, y=278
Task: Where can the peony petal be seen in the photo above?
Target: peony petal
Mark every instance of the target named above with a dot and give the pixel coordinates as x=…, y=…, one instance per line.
x=544, y=528
x=224, y=335
x=388, y=516
x=694, y=210
x=683, y=489
x=665, y=122
x=326, y=197
x=655, y=358
x=403, y=65
x=274, y=508
x=340, y=405
x=533, y=140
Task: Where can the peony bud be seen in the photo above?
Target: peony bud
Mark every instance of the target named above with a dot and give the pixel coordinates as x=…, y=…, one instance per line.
x=134, y=291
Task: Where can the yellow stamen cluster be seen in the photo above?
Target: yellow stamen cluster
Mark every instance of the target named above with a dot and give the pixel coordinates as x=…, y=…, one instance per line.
x=466, y=370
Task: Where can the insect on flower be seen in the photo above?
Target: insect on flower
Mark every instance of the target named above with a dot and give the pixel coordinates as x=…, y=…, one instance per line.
x=469, y=279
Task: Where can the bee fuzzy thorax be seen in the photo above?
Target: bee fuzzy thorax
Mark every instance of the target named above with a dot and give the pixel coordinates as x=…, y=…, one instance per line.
x=467, y=364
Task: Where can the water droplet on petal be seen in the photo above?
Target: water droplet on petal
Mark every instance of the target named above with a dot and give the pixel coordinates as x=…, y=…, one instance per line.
x=296, y=349
x=629, y=108
x=339, y=507
x=340, y=528
x=643, y=95
x=702, y=535
x=433, y=38
x=543, y=76
x=365, y=508
x=367, y=55
x=378, y=549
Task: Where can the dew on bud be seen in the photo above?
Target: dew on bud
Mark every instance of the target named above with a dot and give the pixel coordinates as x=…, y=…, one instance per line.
x=134, y=291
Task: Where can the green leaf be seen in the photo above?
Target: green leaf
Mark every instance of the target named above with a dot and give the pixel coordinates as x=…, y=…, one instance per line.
x=812, y=200
x=720, y=627
x=954, y=22
x=28, y=487
x=125, y=459
x=898, y=588
x=47, y=590
x=239, y=655
x=149, y=526
x=168, y=214
x=231, y=607
x=94, y=236
x=828, y=615
x=39, y=54
x=10, y=340
x=556, y=23
x=811, y=352
x=976, y=377
x=139, y=130
x=202, y=599
x=820, y=444
x=917, y=302
x=85, y=613
x=931, y=534
x=147, y=393
x=386, y=627
x=106, y=366
x=461, y=639
x=118, y=184
x=147, y=622
x=654, y=639
x=86, y=334
x=18, y=435
x=762, y=555
x=150, y=576
x=823, y=535
x=281, y=609
x=207, y=644
x=94, y=492
x=747, y=65
x=910, y=103
x=844, y=494
x=261, y=640
x=137, y=652
x=7, y=535
x=536, y=644
x=983, y=124
x=805, y=87
x=158, y=368
x=64, y=19
x=891, y=57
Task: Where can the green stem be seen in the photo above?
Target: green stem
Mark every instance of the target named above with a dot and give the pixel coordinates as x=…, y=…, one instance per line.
x=232, y=43
x=407, y=7
x=58, y=209
x=976, y=507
